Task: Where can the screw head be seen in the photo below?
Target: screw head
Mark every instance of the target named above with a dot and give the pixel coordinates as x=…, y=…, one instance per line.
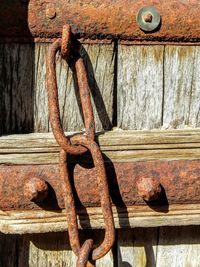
x=148, y=188
x=148, y=18
x=35, y=189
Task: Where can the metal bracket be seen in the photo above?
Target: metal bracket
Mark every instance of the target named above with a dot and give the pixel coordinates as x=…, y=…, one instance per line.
x=100, y=21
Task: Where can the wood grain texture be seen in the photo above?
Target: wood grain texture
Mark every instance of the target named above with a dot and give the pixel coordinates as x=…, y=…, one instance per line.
x=45, y=250
x=179, y=247
x=117, y=145
x=137, y=247
x=8, y=251
x=140, y=87
x=99, y=60
x=56, y=250
x=138, y=216
x=16, y=88
x=181, y=87
x=157, y=87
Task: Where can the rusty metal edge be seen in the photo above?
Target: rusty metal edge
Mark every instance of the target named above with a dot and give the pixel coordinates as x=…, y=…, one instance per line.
x=98, y=41
x=179, y=180
x=91, y=21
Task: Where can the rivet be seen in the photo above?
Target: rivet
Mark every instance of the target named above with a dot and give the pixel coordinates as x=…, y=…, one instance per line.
x=35, y=189
x=148, y=188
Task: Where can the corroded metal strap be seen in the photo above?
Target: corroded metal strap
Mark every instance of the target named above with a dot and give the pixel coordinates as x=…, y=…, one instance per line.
x=97, y=19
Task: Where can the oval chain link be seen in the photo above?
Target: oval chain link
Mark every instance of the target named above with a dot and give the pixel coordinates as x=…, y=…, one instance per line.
x=77, y=145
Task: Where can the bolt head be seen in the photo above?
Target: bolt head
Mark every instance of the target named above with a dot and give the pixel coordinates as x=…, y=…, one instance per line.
x=35, y=189
x=148, y=17
x=148, y=188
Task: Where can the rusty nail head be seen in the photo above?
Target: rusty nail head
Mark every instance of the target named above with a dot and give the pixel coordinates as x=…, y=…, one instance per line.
x=148, y=188
x=50, y=11
x=35, y=189
x=148, y=18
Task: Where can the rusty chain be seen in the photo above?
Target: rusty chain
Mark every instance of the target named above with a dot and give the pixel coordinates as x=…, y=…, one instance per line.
x=78, y=144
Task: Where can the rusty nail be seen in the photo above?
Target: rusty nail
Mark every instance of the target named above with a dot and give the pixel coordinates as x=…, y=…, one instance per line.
x=35, y=189
x=148, y=188
x=50, y=11
x=148, y=17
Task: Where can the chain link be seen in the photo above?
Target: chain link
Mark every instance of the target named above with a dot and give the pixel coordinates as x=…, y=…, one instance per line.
x=77, y=145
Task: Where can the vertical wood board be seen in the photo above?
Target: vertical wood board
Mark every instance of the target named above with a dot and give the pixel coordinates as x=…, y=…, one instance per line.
x=16, y=88
x=179, y=247
x=99, y=61
x=140, y=87
x=181, y=87
x=137, y=247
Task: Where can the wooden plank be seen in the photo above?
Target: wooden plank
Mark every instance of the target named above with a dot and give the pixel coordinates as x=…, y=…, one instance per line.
x=140, y=87
x=99, y=60
x=45, y=250
x=55, y=249
x=117, y=145
x=181, y=87
x=8, y=250
x=137, y=247
x=16, y=88
x=138, y=216
x=179, y=246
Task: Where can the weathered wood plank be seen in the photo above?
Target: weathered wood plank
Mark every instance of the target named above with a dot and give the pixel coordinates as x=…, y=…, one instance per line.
x=55, y=248
x=137, y=247
x=137, y=216
x=140, y=87
x=181, y=87
x=178, y=247
x=118, y=146
x=99, y=61
x=16, y=88
x=45, y=250
x=8, y=251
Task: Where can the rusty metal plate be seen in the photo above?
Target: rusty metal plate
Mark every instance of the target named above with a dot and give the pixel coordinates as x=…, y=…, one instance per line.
x=39, y=20
x=179, y=181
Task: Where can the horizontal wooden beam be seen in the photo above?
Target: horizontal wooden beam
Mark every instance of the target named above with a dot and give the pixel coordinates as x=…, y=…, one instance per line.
x=169, y=156
x=117, y=145
x=21, y=222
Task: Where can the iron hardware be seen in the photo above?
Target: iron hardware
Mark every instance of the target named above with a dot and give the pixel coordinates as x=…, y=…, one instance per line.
x=42, y=21
x=77, y=145
x=148, y=19
x=35, y=189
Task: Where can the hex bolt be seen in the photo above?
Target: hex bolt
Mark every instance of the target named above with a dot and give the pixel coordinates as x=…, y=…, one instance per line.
x=35, y=189
x=148, y=17
x=148, y=188
x=50, y=11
